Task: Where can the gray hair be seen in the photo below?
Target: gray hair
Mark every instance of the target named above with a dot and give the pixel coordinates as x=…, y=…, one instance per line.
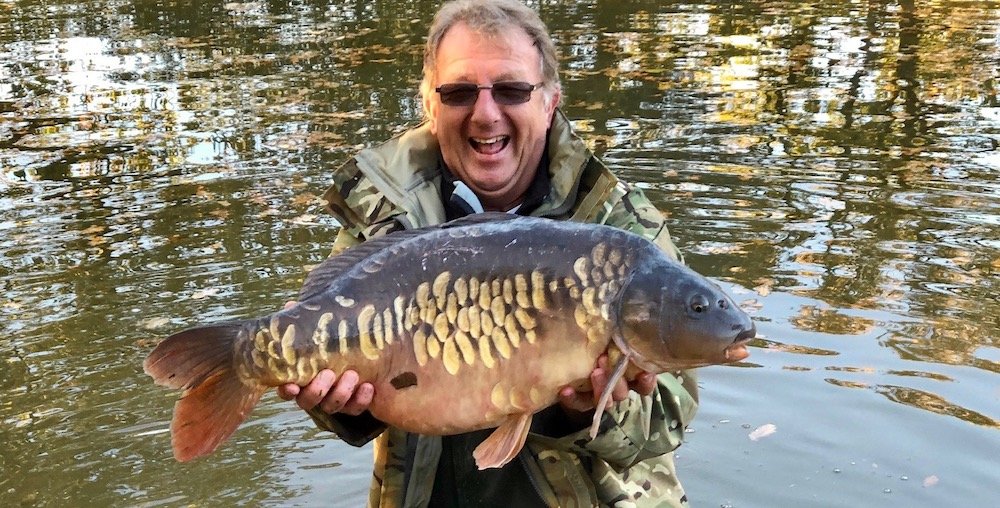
x=493, y=18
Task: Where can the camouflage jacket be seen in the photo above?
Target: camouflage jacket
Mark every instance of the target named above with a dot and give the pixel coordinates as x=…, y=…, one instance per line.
x=395, y=186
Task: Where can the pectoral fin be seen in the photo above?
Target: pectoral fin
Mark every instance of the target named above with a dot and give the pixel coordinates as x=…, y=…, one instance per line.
x=503, y=444
x=606, y=394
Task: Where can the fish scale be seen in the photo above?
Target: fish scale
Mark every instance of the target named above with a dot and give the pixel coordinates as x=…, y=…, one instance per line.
x=492, y=314
x=509, y=313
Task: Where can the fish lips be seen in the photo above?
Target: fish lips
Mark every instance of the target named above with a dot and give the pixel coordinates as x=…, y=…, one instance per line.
x=738, y=349
x=733, y=352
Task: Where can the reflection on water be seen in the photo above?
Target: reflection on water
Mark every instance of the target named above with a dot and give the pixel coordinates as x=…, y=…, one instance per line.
x=834, y=164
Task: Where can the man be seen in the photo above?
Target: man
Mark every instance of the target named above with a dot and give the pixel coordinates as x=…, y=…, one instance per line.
x=494, y=140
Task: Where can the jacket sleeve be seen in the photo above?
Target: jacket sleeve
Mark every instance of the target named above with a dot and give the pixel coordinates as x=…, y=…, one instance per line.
x=633, y=212
x=353, y=430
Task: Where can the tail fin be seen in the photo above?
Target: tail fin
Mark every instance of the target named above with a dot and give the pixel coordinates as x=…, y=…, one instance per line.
x=215, y=401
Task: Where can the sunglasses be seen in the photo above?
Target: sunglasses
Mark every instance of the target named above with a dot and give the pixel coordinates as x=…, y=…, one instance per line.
x=508, y=93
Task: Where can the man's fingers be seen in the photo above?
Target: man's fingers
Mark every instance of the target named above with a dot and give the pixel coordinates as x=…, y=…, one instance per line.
x=360, y=401
x=602, y=362
x=288, y=391
x=644, y=383
x=574, y=400
x=341, y=393
x=332, y=394
x=311, y=394
x=619, y=391
x=598, y=379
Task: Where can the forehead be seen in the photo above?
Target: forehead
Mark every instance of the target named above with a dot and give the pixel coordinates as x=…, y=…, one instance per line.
x=465, y=53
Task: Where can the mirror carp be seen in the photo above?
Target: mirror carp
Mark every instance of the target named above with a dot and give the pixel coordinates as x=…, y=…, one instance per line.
x=473, y=324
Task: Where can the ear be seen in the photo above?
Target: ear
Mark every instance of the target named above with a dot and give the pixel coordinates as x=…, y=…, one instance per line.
x=553, y=103
x=431, y=108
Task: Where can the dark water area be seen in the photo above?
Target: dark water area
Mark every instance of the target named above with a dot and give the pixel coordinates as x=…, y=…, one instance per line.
x=834, y=165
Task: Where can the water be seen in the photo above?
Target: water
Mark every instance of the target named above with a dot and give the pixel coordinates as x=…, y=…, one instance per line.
x=833, y=165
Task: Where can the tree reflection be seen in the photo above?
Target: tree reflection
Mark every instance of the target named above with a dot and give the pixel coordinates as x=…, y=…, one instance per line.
x=845, y=151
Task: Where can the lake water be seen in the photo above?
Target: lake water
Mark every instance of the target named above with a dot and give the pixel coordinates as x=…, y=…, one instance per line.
x=834, y=165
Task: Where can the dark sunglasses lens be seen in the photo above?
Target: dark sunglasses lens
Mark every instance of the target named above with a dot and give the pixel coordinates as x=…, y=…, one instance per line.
x=512, y=93
x=459, y=94
x=506, y=92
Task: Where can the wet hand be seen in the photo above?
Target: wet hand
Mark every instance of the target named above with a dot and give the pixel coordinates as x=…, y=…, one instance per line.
x=332, y=394
x=581, y=403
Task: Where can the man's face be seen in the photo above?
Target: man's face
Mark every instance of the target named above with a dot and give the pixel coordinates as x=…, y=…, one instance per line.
x=493, y=148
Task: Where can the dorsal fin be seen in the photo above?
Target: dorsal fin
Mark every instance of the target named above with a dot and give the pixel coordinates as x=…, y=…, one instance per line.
x=332, y=267
x=320, y=277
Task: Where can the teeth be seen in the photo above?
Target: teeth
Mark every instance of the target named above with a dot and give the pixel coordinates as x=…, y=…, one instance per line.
x=487, y=141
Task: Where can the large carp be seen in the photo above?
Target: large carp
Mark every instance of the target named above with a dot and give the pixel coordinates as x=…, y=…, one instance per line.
x=472, y=324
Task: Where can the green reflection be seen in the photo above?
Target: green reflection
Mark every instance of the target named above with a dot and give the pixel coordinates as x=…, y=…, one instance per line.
x=159, y=163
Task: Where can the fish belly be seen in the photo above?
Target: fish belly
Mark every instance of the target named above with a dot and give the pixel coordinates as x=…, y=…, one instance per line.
x=432, y=400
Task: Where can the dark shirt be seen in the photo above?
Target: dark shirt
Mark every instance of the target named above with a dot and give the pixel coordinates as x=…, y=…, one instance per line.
x=459, y=483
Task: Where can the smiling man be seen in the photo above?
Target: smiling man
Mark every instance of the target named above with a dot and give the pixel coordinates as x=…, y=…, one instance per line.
x=495, y=140
x=489, y=139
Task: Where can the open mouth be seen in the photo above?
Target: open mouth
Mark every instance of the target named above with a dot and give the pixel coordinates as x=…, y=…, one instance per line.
x=489, y=146
x=738, y=349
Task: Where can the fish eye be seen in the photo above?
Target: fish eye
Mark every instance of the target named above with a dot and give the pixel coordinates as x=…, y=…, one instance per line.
x=699, y=304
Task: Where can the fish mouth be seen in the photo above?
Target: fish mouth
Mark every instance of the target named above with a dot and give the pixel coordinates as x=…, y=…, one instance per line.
x=737, y=350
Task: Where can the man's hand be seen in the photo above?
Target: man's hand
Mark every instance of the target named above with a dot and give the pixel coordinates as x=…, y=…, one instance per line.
x=579, y=405
x=330, y=393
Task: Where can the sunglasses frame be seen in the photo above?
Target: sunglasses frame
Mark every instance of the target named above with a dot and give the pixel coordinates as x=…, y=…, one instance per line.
x=505, y=86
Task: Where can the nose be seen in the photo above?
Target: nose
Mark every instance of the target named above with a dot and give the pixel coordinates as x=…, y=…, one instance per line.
x=486, y=111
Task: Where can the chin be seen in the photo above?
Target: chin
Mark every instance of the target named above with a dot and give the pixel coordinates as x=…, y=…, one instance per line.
x=492, y=181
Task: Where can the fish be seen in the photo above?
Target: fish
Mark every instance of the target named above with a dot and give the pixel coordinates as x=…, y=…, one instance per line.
x=473, y=324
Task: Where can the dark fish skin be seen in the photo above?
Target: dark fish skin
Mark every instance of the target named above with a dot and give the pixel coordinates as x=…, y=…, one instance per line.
x=473, y=324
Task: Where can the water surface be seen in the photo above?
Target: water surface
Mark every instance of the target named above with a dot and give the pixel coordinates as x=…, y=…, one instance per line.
x=834, y=165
